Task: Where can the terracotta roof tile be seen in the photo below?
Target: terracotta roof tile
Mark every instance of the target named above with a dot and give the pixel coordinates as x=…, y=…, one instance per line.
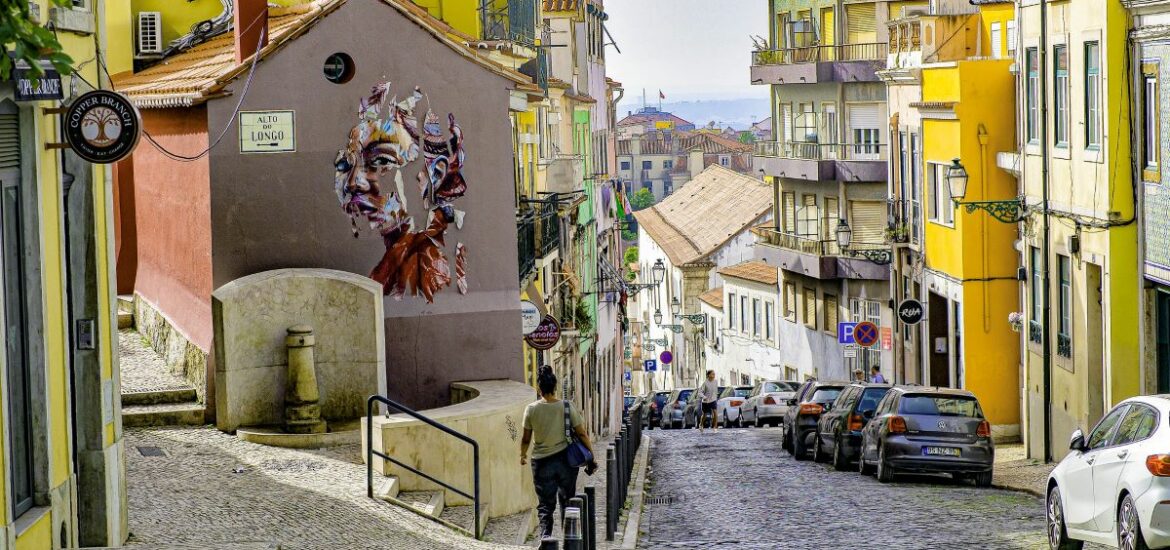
x=753, y=270
x=705, y=214
x=713, y=297
x=561, y=5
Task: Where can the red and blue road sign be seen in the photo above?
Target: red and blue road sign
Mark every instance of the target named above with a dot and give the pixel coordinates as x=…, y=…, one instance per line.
x=866, y=334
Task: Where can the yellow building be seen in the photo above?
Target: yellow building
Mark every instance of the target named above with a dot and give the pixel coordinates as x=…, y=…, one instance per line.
x=1081, y=252
x=949, y=78
x=62, y=447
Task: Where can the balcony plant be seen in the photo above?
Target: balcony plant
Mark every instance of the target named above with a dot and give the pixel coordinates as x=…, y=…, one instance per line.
x=1016, y=320
x=898, y=234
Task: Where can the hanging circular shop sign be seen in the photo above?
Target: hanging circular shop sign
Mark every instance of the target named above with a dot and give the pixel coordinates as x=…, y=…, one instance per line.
x=910, y=311
x=102, y=126
x=546, y=334
x=666, y=357
x=529, y=317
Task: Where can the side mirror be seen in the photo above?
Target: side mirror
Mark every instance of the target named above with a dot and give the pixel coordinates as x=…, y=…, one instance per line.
x=1077, y=441
x=867, y=415
x=791, y=402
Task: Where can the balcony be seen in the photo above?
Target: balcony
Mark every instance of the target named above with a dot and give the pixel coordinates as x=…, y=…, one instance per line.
x=509, y=21
x=526, y=244
x=817, y=64
x=905, y=219
x=538, y=234
x=566, y=174
x=818, y=258
x=848, y=162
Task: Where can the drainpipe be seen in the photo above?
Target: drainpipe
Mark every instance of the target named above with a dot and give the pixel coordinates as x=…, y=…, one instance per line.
x=983, y=169
x=1046, y=333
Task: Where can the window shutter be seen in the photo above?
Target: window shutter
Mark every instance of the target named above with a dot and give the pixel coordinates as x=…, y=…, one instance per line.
x=866, y=116
x=862, y=23
x=996, y=41
x=786, y=119
x=789, y=212
x=810, y=307
x=9, y=142
x=830, y=313
x=1011, y=35
x=830, y=216
x=868, y=222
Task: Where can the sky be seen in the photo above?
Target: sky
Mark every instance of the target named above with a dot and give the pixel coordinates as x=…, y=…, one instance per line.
x=690, y=49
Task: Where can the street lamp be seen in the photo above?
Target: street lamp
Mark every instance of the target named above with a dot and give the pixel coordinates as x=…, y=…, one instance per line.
x=1008, y=211
x=658, y=316
x=657, y=274
x=696, y=318
x=658, y=321
x=880, y=256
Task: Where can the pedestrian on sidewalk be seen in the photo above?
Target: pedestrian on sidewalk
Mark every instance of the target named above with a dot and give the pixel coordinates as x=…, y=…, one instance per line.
x=858, y=375
x=876, y=376
x=709, y=396
x=544, y=428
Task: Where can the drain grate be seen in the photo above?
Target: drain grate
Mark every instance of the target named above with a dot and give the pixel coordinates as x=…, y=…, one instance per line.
x=668, y=500
x=151, y=451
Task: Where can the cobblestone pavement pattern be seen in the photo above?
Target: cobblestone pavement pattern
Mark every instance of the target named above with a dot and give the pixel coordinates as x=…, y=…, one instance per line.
x=141, y=367
x=213, y=488
x=737, y=489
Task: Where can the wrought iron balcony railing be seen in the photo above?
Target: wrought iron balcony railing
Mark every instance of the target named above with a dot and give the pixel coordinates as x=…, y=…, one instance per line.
x=526, y=243
x=1035, y=331
x=798, y=243
x=869, y=51
x=510, y=20
x=1063, y=345
x=821, y=151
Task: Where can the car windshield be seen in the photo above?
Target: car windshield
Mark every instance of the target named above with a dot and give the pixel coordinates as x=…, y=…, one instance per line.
x=660, y=398
x=940, y=405
x=825, y=395
x=742, y=392
x=779, y=386
x=684, y=396
x=870, y=398
x=629, y=401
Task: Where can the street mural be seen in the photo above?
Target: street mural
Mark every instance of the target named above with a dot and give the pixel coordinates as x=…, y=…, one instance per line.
x=369, y=184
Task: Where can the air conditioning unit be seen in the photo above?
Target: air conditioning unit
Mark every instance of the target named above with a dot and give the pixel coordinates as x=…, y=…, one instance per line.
x=149, y=33
x=911, y=11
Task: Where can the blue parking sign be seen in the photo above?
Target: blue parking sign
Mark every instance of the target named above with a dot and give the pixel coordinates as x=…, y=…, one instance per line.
x=626, y=375
x=845, y=333
x=650, y=365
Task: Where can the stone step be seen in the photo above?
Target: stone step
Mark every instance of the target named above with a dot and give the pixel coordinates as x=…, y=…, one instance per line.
x=429, y=503
x=125, y=303
x=125, y=320
x=513, y=530
x=165, y=414
x=461, y=515
x=159, y=397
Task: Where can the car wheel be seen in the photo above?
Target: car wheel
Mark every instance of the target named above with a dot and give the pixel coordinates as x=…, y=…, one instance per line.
x=818, y=452
x=786, y=441
x=799, y=451
x=1057, y=534
x=756, y=415
x=840, y=463
x=862, y=466
x=726, y=421
x=885, y=473
x=1129, y=528
x=773, y=423
x=982, y=479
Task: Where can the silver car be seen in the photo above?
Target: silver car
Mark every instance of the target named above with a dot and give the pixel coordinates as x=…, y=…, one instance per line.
x=767, y=403
x=676, y=404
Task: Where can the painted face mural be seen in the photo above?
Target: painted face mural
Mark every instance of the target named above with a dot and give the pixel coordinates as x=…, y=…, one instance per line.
x=369, y=184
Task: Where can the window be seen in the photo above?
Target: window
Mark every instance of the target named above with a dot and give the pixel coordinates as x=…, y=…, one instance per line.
x=647, y=164
x=829, y=219
x=1151, y=119
x=786, y=120
x=731, y=310
x=667, y=188
x=1092, y=95
x=1060, y=93
x=830, y=314
x=18, y=396
x=743, y=313
x=1138, y=424
x=1032, y=91
x=807, y=217
x=942, y=209
x=810, y=308
x=996, y=40
x=625, y=165
x=806, y=123
x=830, y=111
x=756, y=317
x=769, y=314
x=1101, y=434
x=667, y=164
x=790, y=301
x=1064, y=328
x=1037, y=291
x=1011, y=38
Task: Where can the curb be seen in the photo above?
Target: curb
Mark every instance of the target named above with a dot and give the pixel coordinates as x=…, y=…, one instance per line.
x=1015, y=489
x=634, y=518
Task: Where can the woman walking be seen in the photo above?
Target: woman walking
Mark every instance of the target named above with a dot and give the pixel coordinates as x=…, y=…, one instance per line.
x=544, y=428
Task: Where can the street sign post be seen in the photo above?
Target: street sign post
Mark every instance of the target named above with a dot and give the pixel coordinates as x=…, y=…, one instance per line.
x=849, y=351
x=910, y=311
x=845, y=333
x=666, y=357
x=650, y=365
x=865, y=334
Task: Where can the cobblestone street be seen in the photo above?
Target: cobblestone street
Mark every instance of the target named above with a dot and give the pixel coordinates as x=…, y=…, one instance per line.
x=737, y=489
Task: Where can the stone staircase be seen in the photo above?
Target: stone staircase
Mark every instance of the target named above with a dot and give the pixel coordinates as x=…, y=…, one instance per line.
x=151, y=394
x=512, y=530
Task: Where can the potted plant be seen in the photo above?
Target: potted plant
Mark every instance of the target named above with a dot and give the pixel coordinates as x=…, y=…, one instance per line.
x=1016, y=320
x=897, y=234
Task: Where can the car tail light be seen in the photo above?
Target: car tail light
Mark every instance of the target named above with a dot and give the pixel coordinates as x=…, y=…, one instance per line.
x=984, y=429
x=736, y=403
x=769, y=400
x=1158, y=465
x=855, y=422
x=897, y=425
x=811, y=408
x=653, y=405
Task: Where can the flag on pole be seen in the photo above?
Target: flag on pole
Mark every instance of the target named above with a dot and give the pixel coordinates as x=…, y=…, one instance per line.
x=661, y=95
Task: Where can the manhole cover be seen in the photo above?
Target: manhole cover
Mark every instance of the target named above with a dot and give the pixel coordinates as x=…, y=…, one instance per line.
x=151, y=451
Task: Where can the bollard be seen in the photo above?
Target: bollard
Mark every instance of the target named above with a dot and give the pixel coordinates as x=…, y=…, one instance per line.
x=572, y=531
x=591, y=513
x=549, y=543
x=611, y=492
x=587, y=527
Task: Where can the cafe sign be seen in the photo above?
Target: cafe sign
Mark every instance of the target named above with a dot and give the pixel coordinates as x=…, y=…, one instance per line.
x=31, y=86
x=102, y=127
x=546, y=334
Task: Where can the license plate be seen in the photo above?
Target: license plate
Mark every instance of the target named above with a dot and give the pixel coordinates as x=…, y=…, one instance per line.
x=940, y=451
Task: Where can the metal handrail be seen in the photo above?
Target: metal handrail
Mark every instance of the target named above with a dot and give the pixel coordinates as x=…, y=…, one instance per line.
x=866, y=51
x=370, y=453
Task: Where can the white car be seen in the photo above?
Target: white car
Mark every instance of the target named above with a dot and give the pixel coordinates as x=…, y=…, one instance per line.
x=767, y=403
x=1114, y=487
x=727, y=408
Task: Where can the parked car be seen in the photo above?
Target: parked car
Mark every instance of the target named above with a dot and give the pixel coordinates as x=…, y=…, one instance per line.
x=767, y=403
x=730, y=401
x=800, y=422
x=672, y=412
x=628, y=404
x=928, y=430
x=838, y=435
x=694, y=411
x=657, y=405
x=1102, y=493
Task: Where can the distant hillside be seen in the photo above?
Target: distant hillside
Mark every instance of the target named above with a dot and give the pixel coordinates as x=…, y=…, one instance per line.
x=737, y=113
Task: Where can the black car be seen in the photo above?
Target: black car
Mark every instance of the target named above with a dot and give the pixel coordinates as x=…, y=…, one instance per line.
x=629, y=402
x=800, y=422
x=928, y=430
x=656, y=403
x=839, y=428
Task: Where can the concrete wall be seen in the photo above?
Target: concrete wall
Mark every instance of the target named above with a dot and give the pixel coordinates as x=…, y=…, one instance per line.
x=252, y=315
x=281, y=210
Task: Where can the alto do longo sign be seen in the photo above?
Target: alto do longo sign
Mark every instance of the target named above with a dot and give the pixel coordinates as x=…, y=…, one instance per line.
x=546, y=334
x=268, y=132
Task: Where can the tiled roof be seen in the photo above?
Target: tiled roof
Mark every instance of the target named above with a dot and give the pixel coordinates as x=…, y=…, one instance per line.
x=712, y=143
x=753, y=270
x=705, y=214
x=638, y=119
x=561, y=5
x=713, y=297
x=202, y=72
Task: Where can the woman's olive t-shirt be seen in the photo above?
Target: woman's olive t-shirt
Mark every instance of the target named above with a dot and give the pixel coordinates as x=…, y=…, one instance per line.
x=547, y=422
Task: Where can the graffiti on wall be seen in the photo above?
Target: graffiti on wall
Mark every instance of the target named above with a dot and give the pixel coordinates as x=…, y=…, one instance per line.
x=369, y=184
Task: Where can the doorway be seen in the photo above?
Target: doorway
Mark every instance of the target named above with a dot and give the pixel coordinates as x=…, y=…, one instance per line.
x=940, y=374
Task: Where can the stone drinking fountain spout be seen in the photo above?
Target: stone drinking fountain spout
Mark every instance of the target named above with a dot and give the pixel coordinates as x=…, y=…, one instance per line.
x=302, y=410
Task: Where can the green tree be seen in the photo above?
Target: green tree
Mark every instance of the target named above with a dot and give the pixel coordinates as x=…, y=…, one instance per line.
x=28, y=41
x=629, y=235
x=631, y=255
x=747, y=138
x=642, y=199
